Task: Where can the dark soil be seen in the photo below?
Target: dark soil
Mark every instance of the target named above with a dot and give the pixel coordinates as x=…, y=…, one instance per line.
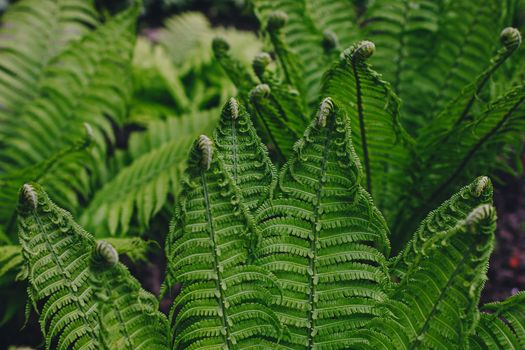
x=507, y=264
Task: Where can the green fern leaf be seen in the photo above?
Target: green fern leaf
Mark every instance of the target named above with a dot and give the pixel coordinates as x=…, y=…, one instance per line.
x=404, y=31
x=480, y=145
x=435, y=304
x=224, y=302
x=75, y=284
x=459, y=56
x=142, y=189
x=243, y=154
x=379, y=139
x=323, y=238
x=76, y=89
x=442, y=219
x=312, y=31
x=502, y=325
x=33, y=33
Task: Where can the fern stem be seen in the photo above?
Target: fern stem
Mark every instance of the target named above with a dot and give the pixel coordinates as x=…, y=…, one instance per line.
x=218, y=282
x=313, y=243
x=364, y=145
x=401, y=49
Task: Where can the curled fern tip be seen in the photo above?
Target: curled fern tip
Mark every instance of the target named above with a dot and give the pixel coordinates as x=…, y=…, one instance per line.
x=325, y=109
x=360, y=51
x=483, y=185
x=260, y=62
x=30, y=195
x=330, y=40
x=234, y=108
x=482, y=215
x=510, y=38
x=277, y=20
x=259, y=92
x=106, y=254
x=206, y=147
x=219, y=45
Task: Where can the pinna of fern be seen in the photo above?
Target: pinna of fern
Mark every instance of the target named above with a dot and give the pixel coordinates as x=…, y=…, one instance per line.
x=85, y=298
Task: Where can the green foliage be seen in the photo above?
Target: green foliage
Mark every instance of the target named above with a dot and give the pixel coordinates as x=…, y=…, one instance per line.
x=295, y=258
x=440, y=114
x=85, y=297
x=224, y=300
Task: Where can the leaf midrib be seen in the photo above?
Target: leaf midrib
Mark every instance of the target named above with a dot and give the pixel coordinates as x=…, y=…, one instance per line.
x=218, y=282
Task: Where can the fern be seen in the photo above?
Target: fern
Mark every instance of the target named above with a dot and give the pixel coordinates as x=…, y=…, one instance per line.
x=224, y=301
x=502, y=325
x=323, y=238
x=77, y=283
x=33, y=33
x=380, y=140
x=141, y=189
x=75, y=89
x=244, y=156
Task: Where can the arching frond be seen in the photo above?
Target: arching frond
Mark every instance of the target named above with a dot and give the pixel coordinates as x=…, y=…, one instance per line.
x=443, y=219
x=76, y=88
x=502, y=325
x=466, y=38
x=244, y=155
x=435, y=304
x=33, y=33
x=404, y=32
x=373, y=108
x=74, y=284
x=141, y=189
x=224, y=301
x=481, y=145
x=323, y=238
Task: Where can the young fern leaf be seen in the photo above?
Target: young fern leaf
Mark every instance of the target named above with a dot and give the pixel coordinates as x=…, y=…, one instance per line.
x=481, y=145
x=379, y=139
x=33, y=32
x=502, y=325
x=244, y=155
x=324, y=239
x=238, y=73
x=270, y=113
x=74, y=284
x=461, y=109
x=224, y=302
x=442, y=219
x=435, y=304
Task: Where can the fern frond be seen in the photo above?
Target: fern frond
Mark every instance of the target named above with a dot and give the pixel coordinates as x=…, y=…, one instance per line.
x=33, y=33
x=442, y=219
x=73, y=283
x=502, y=325
x=244, y=155
x=373, y=108
x=11, y=182
x=323, y=238
x=435, y=304
x=313, y=30
x=466, y=38
x=141, y=189
x=480, y=145
x=404, y=32
x=224, y=301
x=75, y=89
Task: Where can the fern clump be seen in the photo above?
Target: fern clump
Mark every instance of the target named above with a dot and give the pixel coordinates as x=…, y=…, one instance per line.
x=86, y=299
